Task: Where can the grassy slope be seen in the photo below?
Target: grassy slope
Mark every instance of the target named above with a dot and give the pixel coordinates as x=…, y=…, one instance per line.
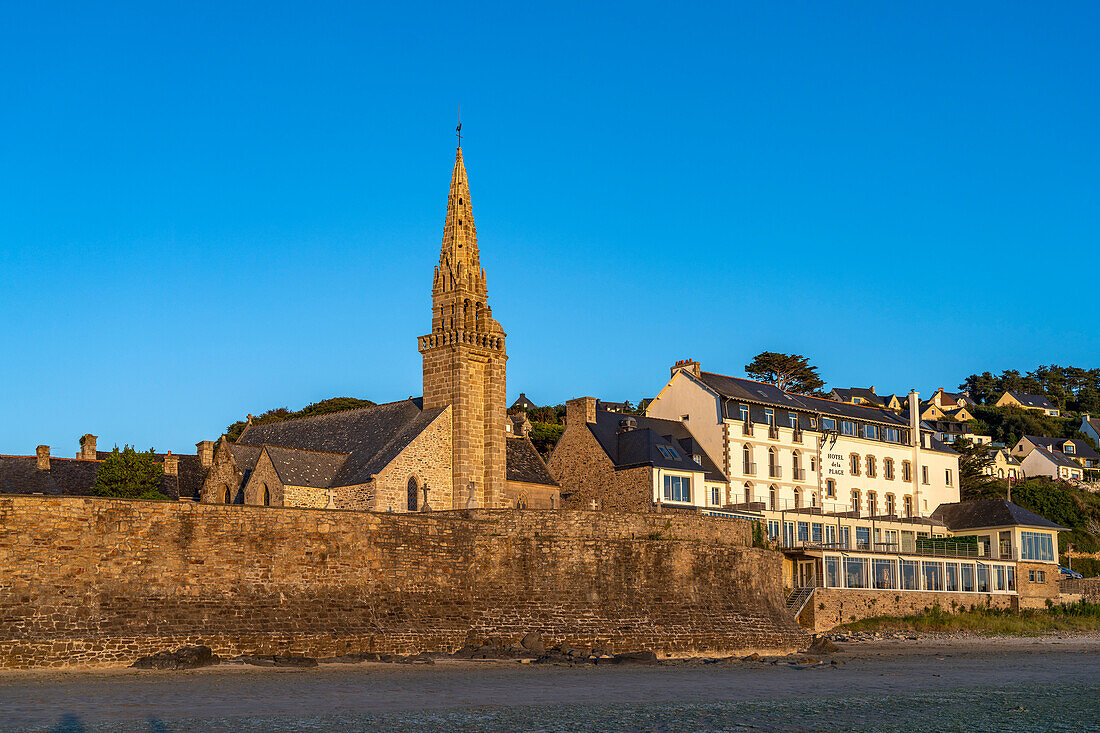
x=1074, y=617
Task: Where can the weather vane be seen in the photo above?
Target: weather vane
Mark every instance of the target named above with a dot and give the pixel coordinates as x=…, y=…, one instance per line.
x=458, y=130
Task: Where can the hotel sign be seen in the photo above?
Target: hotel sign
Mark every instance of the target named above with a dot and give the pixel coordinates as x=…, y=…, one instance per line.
x=835, y=465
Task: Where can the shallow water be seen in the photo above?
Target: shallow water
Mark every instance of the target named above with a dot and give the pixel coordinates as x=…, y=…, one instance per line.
x=1028, y=689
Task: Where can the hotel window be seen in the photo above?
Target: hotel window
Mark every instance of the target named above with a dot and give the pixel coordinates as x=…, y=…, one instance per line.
x=863, y=538
x=715, y=496
x=813, y=463
x=773, y=529
x=771, y=498
x=832, y=572
x=847, y=427
x=792, y=418
x=966, y=577
x=870, y=432
x=830, y=488
x=932, y=573
x=855, y=500
x=830, y=534
x=924, y=474
x=888, y=469
x=893, y=435
x=668, y=452
x=908, y=502
x=885, y=574
x=846, y=537
x=769, y=415
x=828, y=423
x=909, y=579
x=748, y=492
x=803, y=531
x=797, y=498
x=906, y=471
x=872, y=503
x=853, y=460
x=891, y=540
x=788, y=534
x=746, y=457
x=872, y=469
x=891, y=507
x=744, y=413
x=677, y=488
x=948, y=472
x=1037, y=546
x=815, y=532
x=952, y=578
x=855, y=572
x=983, y=578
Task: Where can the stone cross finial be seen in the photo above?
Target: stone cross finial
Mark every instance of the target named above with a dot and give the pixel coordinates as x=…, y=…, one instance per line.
x=425, y=507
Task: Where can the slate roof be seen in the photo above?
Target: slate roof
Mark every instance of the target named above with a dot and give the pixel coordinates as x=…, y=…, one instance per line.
x=989, y=513
x=371, y=437
x=863, y=393
x=1057, y=458
x=297, y=467
x=525, y=463
x=75, y=477
x=639, y=447
x=1037, y=401
x=245, y=456
x=1084, y=450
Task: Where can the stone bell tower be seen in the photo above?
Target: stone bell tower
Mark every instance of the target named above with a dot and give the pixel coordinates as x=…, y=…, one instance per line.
x=464, y=358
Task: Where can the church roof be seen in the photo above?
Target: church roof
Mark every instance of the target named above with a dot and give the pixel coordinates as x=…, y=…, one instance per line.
x=370, y=437
x=297, y=467
x=525, y=463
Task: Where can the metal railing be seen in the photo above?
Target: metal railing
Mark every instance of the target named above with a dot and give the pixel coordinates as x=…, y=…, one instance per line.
x=749, y=469
x=775, y=471
x=798, y=474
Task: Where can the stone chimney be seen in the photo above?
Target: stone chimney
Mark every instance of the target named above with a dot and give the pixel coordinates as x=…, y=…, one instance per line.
x=688, y=365
x=43, y=456
x=205, y=449
x=171, y=465
x=580, y=411
x=873, y=389
x=628, y=424
x=87, y=447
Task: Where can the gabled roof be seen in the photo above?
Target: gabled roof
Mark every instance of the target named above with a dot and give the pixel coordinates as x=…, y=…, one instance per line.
x=297, y=467
x=1058, y=459
x=864, y=393
x=642, y=445
x=525, y=464
x=370, y=437
x=1037, y=401
x=989, y=513
x=1083, y=449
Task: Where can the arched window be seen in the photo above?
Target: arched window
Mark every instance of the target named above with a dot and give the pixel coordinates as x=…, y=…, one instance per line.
x=888, y=468
x=773, y=463
x=748, y=492
x=872, y=503
x=226, y=496
x=908, y=504
x=746, y=455
x=521, y=502
x=891, y=508
x=413, y=494
x=813, y=499
x=853, y=459
x=855, y=500
x=771, y=498
x=796, y=463
x=797, y=498
x=872, y=469
x=1000, y=473
x=830, y=488
x=267, y=496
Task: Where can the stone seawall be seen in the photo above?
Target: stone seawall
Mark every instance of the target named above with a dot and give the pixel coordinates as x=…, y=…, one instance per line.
x=1087, y=588
x=830, y=607
x=99, y=582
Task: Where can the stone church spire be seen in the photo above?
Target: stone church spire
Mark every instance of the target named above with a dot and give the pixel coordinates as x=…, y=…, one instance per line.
x=464, y=356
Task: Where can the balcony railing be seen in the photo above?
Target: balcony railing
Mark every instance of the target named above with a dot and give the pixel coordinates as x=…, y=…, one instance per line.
x=747, y=428
x=749, y=469
x=773, y=431
x=889, y=548
x=798, y=474
x=775, y=472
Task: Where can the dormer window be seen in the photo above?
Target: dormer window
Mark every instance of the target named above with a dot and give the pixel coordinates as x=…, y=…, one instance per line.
x=769, y=416
x=668, y=452
x=697, y=458
x=828, y=423
x=793, y=418
x=1069, y=448
x=745, y=413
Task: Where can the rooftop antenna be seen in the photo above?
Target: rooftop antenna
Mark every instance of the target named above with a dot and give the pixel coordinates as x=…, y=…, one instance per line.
x=458, y=130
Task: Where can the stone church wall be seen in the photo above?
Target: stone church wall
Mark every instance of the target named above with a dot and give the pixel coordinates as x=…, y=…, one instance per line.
x=87, y=581
x=428, y=458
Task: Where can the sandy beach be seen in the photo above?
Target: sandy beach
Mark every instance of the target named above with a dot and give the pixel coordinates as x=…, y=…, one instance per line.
x=939, y=683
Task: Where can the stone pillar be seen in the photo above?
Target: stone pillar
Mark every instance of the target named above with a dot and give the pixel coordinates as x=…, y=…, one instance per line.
x=87, y=447
x=171, y=465
x=205, y=449
x=43, y=457
x=580, y=410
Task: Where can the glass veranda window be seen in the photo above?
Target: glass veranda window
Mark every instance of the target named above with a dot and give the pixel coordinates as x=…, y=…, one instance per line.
x=677, y=488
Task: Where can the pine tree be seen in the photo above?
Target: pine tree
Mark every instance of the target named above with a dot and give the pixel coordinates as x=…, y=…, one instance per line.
x=128, y=474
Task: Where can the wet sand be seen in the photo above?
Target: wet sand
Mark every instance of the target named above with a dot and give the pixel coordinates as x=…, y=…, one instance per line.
x=973, y=684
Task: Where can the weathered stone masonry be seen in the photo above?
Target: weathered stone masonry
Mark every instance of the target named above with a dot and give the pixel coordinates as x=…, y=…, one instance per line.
x=87, y=581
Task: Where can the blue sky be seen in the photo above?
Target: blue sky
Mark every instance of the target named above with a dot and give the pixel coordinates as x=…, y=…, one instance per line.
x=210, y=209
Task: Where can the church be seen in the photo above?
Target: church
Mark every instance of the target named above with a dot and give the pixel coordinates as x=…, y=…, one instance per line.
x=453, y=448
